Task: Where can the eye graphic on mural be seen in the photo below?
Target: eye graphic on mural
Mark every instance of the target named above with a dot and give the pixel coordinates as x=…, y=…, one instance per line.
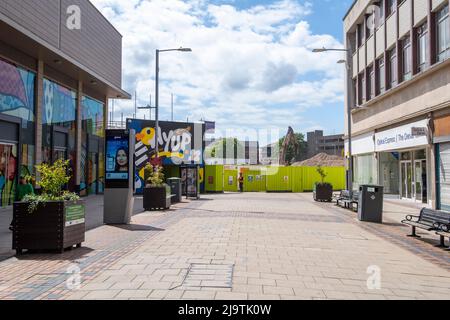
x=48, y=97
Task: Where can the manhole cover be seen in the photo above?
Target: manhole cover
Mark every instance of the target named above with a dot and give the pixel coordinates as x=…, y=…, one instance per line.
x=209, y=276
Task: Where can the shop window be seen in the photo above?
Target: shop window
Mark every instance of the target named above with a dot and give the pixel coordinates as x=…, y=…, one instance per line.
x=59, y=113
x=16, y=100
x=420, y=154
x=92, y=157
x=389, y=172
x=364, y=170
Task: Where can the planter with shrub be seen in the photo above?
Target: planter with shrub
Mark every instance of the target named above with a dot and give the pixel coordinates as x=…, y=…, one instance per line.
x=157, y=194
x=52, y=220
x=323, y=191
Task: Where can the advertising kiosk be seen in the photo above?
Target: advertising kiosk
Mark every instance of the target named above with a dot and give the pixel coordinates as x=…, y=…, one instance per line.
x=119, y=176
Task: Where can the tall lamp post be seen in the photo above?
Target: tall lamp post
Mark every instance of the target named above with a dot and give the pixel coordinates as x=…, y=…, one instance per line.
x=158, y=51
x=349, y=114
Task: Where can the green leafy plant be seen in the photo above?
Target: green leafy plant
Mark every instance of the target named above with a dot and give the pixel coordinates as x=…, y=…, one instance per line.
x=154, y=176
x=53, y=178
x=322, y=175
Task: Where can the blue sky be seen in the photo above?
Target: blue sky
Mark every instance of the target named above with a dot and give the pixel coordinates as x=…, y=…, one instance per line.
x=251, y=65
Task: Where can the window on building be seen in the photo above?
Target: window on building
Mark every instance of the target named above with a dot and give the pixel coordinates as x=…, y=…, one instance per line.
x=370, y=25
x=360, y=34
x=390, y=7
x=354, y=101
x=381, y=76
x=422, y=47
x=392, y=68
x=352, y=42
x=362, y=89
x=443, y=33
x=379, y=18
x=406, y=59
x=364, y=171
x=370, y=82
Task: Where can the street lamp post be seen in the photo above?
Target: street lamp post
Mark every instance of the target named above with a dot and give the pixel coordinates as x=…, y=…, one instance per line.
x=349, y=114
x=158, y=51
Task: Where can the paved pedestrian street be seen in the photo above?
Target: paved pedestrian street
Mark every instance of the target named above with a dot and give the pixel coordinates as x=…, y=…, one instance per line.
x=240, y=246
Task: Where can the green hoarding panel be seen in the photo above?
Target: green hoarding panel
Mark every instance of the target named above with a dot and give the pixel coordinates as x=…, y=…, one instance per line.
x=335, y=176
x=254, y=181
x=230, y=181
x=279, y=179
x=214, y=178
x=297, y=180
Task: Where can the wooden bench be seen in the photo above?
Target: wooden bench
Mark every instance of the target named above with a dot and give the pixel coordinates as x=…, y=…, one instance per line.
x=429, y=220
x=346, y=202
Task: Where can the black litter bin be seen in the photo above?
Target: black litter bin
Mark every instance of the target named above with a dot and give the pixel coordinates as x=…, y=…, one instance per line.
x=370, y=207
x=175, y=187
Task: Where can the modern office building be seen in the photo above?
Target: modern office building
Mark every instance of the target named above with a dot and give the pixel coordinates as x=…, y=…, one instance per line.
x=60, y=62
x=318, y=143
x=399, y=93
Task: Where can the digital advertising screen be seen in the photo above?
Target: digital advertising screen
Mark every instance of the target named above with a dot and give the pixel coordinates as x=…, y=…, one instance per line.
x=117, y=157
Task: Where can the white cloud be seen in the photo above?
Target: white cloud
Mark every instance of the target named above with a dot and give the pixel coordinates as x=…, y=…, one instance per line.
x=249, y=67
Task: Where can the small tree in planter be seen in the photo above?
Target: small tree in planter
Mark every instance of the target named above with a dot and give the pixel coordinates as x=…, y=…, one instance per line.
x=157, y=194
x=52, y=220
x=323, y=191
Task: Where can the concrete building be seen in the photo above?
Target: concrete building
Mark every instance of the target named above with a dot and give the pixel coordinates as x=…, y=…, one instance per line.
x=241, y=153
x=269, y=155
x=318, y=143
x=60, y=62
x=399, y=93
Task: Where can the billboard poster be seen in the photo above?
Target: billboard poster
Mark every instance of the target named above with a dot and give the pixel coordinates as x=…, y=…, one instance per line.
x=178, y=143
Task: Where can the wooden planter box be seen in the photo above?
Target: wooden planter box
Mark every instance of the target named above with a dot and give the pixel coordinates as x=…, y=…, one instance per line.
x=157, y=198
x=53, y=226
x=323, y=192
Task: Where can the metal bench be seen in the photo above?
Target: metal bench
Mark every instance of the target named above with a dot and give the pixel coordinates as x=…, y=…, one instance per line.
x=346, y=202
x=429, y=220
x=444, y=233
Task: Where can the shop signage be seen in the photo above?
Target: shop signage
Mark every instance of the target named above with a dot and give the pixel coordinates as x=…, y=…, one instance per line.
x=416, y=131
x=362, y=144
x=402, y=137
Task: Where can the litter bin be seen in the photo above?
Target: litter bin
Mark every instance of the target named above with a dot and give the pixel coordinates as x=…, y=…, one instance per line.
x=370, y=208
x=175, y=187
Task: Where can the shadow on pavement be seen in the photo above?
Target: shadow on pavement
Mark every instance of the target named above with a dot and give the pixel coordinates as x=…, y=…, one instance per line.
x=49, y=255
x=137, y=227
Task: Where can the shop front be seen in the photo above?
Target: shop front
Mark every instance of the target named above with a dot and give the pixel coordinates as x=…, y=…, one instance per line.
x=442, y=143
x=364, y=160
x=404, y=161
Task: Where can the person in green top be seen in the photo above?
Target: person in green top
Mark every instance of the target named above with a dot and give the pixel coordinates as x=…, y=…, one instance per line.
x=23, y=189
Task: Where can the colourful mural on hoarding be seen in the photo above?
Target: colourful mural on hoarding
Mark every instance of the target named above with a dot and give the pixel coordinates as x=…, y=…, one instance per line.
x=178, y=143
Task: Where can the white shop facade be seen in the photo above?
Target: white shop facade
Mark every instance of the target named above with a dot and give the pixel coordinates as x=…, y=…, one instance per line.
x=398, y=158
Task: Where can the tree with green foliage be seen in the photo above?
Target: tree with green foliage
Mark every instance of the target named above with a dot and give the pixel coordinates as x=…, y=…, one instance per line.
x=291, y=155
